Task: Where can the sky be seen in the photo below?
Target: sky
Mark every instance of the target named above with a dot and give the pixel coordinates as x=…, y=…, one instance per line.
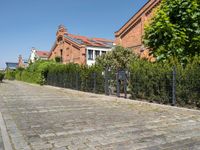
x=33, y=23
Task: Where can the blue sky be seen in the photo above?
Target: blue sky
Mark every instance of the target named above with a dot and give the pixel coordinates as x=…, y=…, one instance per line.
x=33, y=23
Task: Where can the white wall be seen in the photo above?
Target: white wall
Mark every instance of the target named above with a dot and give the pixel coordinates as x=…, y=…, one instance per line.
x=91, y=62
x=32, y=56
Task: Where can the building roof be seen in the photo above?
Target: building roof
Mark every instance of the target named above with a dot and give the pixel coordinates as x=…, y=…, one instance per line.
x=43, y=54
x=80, y=41
x=25, y=61
x=11, y=65
x=94, y=42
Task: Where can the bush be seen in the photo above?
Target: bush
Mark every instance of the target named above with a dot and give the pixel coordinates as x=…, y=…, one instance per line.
x=76, y=77
x=35, y=73
x=58, y=59
x=153, y=82
x=1, y=76
x=150, y=81
x=10, y=74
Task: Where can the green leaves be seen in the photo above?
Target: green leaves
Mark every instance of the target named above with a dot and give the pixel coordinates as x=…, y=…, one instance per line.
x=1, y=76
x=116, y=59
x=153, y=81
x=174, y=30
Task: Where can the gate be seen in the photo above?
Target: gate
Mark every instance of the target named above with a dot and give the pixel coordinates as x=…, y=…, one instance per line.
x=116, y=82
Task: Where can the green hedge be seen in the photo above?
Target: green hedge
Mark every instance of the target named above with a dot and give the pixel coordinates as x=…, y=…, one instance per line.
x=35, y=73
x=1, y=76
x=150, y=81
x=153, y=82
x=76, y=77
x=10, y=74
x=69, y=75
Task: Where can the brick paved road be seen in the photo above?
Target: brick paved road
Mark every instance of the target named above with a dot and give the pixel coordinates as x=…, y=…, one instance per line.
x=50, y=118
x=1, y=142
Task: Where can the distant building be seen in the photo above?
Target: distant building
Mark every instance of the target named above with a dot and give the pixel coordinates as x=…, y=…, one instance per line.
x=22, y=63
x=11, y=65
x=130, y=34
x=38, y=55
x=78, y=49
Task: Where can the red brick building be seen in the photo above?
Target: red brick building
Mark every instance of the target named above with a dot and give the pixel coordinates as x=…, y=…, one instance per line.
x=78, y=49
x=130, y=34
x=22, y=63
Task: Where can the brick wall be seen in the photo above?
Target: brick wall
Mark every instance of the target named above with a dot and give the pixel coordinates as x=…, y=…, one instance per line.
x=130, y=35
x=71, y=53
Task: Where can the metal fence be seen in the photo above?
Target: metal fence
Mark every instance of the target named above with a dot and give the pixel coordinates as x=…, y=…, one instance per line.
x=91, y=83
x=171, y=88
x=106, y=82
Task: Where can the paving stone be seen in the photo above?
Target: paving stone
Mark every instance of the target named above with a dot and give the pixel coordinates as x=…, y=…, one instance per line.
x=43, y=117
x=1, y=142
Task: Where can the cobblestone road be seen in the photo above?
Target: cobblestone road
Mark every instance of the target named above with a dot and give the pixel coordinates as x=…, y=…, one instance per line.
x=1, y=142
x=51, y=118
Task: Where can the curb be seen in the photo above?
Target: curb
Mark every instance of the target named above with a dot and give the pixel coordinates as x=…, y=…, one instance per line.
x=4, y=133
x=123, y=100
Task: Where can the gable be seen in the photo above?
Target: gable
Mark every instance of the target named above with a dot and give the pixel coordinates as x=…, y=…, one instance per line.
x=144, y=11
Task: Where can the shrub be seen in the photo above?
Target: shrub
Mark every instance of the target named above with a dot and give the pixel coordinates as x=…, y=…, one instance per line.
x=150, y=81
x=10, y=74
x=76, y=77
x=35, y=73
x=58, y=59
x=153, y=82
x=1, y=76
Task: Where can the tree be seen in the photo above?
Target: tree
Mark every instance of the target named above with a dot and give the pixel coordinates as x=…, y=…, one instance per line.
x=174, y=31
x=118, y=58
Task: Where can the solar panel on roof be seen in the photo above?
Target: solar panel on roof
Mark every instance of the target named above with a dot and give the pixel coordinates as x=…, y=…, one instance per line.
x=74, y=40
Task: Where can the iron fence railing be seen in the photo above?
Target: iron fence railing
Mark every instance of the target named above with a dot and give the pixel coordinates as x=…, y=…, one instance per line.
x=171, y=88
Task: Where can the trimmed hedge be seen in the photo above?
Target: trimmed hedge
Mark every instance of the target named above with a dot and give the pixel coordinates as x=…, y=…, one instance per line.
x=76, y=77
x=35, y=73
x=70, y=75
x=153, y=82
x=1, y=76
x=10, y=74
x=150, y=81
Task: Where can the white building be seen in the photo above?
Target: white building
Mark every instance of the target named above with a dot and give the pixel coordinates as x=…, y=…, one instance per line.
x=38, y=55
x=93, y=53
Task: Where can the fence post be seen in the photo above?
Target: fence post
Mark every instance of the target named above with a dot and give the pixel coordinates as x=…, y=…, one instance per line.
x=63, y=80
x=76, y=81
x=106, y=81
x=95, y=82
x=55, y=79
x=118, y=84
x=125, y=85
x=174, y=87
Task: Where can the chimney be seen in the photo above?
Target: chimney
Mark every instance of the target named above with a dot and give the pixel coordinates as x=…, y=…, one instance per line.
x=61, y=30
x=20, y=61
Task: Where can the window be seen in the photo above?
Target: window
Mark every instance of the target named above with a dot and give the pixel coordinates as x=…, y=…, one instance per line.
x=90, y=54
x=103, y=52
x=59, y=39
x=97, y=53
